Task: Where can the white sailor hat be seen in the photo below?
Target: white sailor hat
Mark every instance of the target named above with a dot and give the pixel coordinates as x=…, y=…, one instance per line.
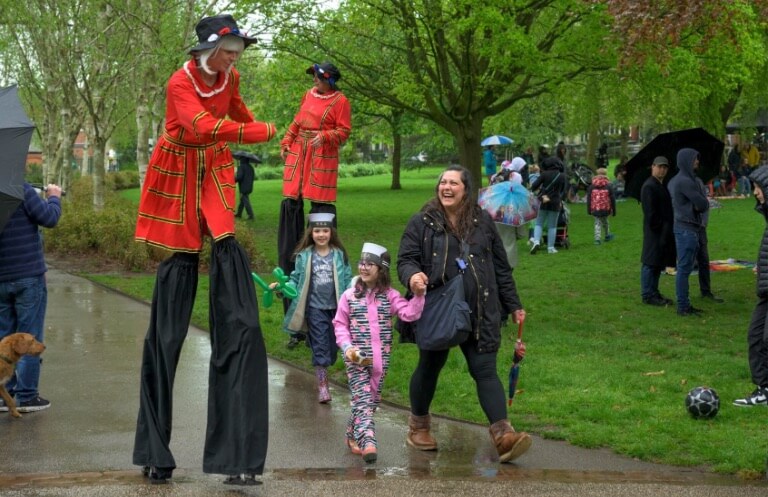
x=321, y=220
x=373, y=253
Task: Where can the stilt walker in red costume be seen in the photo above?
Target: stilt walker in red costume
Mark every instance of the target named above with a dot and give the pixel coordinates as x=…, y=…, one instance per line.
x=188, y=194
x=310, y=149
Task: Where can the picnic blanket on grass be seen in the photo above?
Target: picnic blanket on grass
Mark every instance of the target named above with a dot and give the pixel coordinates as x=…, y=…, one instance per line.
x=730, y=265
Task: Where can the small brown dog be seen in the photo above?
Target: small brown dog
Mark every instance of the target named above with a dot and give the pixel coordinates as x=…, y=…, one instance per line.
x=12, y=347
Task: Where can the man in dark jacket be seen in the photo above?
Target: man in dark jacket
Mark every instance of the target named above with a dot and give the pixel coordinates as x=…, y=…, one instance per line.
x=23, y=294
x=244, y=178
x=658, y=238
x=688, y=204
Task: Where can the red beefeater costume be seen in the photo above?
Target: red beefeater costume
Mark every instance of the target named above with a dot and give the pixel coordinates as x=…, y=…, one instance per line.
x=189, y=189
x=311, y=173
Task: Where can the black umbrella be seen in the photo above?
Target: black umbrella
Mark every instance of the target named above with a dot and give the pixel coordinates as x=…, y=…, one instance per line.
x=638, y=168
x=15, y=134
x=242, y=154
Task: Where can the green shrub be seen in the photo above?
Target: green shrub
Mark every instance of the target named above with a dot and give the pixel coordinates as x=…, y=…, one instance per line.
x=268, y=172
x=108, y=235
x=122, y=180
x=34, y=175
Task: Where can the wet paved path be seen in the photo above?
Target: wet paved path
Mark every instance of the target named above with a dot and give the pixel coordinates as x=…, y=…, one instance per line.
x=82, y=445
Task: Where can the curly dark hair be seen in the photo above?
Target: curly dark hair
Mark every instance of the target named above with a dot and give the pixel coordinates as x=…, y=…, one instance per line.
x=468, y=209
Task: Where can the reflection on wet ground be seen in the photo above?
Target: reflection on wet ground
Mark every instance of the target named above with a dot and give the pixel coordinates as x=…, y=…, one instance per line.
x=85, y=439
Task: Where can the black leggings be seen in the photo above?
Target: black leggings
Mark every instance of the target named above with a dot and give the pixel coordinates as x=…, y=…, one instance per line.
x=482, y=367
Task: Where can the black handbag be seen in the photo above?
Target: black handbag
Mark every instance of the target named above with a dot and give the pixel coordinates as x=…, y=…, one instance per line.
x=445, y=321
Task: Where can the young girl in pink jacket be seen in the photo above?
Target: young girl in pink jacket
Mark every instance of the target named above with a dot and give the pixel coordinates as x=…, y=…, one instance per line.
x=363, y=326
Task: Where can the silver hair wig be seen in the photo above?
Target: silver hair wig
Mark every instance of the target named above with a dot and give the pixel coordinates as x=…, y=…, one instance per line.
x=230, y=43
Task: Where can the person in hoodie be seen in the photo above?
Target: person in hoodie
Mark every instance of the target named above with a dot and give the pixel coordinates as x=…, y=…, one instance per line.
x=757, y=339
x=601, y=202
x=689, y=204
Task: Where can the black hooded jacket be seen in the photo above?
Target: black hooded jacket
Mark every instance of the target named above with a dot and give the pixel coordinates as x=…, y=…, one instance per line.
x=760, y=177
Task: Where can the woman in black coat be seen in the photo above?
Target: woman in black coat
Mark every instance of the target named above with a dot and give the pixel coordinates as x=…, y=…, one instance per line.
x=449, y=234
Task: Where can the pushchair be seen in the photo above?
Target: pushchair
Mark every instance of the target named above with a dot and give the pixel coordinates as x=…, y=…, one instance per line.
x=581, y=176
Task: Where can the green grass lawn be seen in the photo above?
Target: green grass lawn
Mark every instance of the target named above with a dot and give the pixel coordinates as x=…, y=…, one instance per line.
x=602, y=369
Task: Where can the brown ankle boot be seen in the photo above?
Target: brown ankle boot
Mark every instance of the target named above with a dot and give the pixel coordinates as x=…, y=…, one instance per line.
x=323, y=393
x=509, y=444
x=418, y=433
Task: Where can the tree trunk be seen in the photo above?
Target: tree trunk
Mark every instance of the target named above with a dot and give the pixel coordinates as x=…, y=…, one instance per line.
x=397, y=147
x=99, y=187
x=467, y=136
x=143, y=124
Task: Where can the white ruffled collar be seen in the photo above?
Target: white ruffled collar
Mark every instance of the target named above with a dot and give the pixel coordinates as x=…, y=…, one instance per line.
x=322, y=96
x=193, y=79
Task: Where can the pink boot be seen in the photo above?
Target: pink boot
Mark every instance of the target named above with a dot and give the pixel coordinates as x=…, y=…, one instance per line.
x=323, y=393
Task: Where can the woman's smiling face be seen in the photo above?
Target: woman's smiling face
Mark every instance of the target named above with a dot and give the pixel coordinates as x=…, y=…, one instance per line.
x=451, y=190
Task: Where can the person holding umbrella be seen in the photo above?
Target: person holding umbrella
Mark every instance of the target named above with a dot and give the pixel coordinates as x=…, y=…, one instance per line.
x=189, y=194
x=658, y=238
x=23, y=293
x=489, y=161
x=244, y=178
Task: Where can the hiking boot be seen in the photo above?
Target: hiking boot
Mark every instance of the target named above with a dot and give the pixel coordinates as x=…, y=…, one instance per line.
x=418, y=433
x=535, y=247
x=509, y=444
x=36, y=404
x=757, y=398
x=551, y=250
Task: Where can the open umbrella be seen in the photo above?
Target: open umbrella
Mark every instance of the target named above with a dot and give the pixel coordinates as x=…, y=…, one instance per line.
x=496, y=140
x=242, y=154
x=15, y=134
x=508, y=203
x=514, y=371
x=638, y=168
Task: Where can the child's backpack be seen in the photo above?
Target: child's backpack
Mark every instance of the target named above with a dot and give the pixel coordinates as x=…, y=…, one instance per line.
x=600, y=201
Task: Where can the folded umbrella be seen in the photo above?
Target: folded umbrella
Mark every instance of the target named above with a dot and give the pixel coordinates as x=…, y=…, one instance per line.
x=514, y=371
